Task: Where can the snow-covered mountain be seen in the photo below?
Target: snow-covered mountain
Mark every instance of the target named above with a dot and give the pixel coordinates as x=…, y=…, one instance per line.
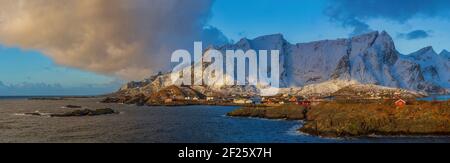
x=435, y=68
x=445, y=54
x=368, y=59
x=328, y=65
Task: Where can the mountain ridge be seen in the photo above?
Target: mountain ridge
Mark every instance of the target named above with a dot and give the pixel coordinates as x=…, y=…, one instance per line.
x=365, y=59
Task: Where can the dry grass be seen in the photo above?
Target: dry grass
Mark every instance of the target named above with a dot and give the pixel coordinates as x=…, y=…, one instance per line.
x=353, y=119
x=290, y=112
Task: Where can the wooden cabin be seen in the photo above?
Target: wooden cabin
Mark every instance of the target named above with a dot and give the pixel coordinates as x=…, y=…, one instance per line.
x=400, y=103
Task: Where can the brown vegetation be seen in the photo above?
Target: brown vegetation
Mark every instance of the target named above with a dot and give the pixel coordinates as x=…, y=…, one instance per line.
x=289, y=112
x=169, y=96
x=383, y=118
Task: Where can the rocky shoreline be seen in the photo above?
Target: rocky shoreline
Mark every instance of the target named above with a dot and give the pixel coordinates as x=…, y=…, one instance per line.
x=335, y=119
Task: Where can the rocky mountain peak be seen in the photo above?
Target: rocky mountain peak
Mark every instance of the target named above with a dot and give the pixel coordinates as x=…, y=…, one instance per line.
x=386, y=38
x=267, y=42
x=375, y=38
x=273, y=37
x=445, y=54
x=428, y=49
x=368, y=37
x=426, y=53
x=244, y=43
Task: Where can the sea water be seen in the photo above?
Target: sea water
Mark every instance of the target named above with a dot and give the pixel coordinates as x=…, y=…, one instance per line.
x=184, y=124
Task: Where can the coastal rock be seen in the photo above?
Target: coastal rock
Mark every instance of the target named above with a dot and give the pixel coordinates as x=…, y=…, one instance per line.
x=34, y=114
x=85, y=112
x=139, y=99
x=73, y=106
x=117, y=99
x=175, y=93
x=46, y=98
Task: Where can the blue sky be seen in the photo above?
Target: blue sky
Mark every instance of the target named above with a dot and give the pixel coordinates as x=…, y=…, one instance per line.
x=307, y=20
x=31, y=66
x=32, y=73
x=412, y=24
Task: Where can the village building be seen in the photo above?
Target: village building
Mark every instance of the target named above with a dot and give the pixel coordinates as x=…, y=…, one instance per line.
x=169, y=100
x=400, y=103
x=294, y=99
x=256, y=100
x=242, y=101
x=305, y=103
x=210, y=98
x=269, y=102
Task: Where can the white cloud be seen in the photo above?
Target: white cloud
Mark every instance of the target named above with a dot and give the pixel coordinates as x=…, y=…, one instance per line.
x=127, y=38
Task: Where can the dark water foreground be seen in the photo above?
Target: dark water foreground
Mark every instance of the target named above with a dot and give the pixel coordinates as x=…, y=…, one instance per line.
x=187, y=124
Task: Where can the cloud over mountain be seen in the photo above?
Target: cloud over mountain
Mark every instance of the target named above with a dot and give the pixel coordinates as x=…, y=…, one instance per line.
x=130, y=39
x=354, y=13
x=413, y=35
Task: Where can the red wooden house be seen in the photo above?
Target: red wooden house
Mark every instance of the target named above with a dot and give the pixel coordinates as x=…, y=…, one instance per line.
x=305, y=103
x=293, y=99
x=400, y=103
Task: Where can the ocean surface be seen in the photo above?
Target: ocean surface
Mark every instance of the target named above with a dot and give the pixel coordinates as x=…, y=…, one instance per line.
x=436, y=98
x=186, y=124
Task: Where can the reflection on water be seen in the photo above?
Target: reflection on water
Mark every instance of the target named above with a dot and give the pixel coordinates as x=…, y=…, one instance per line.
x=436, y=98
x=187, y=124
